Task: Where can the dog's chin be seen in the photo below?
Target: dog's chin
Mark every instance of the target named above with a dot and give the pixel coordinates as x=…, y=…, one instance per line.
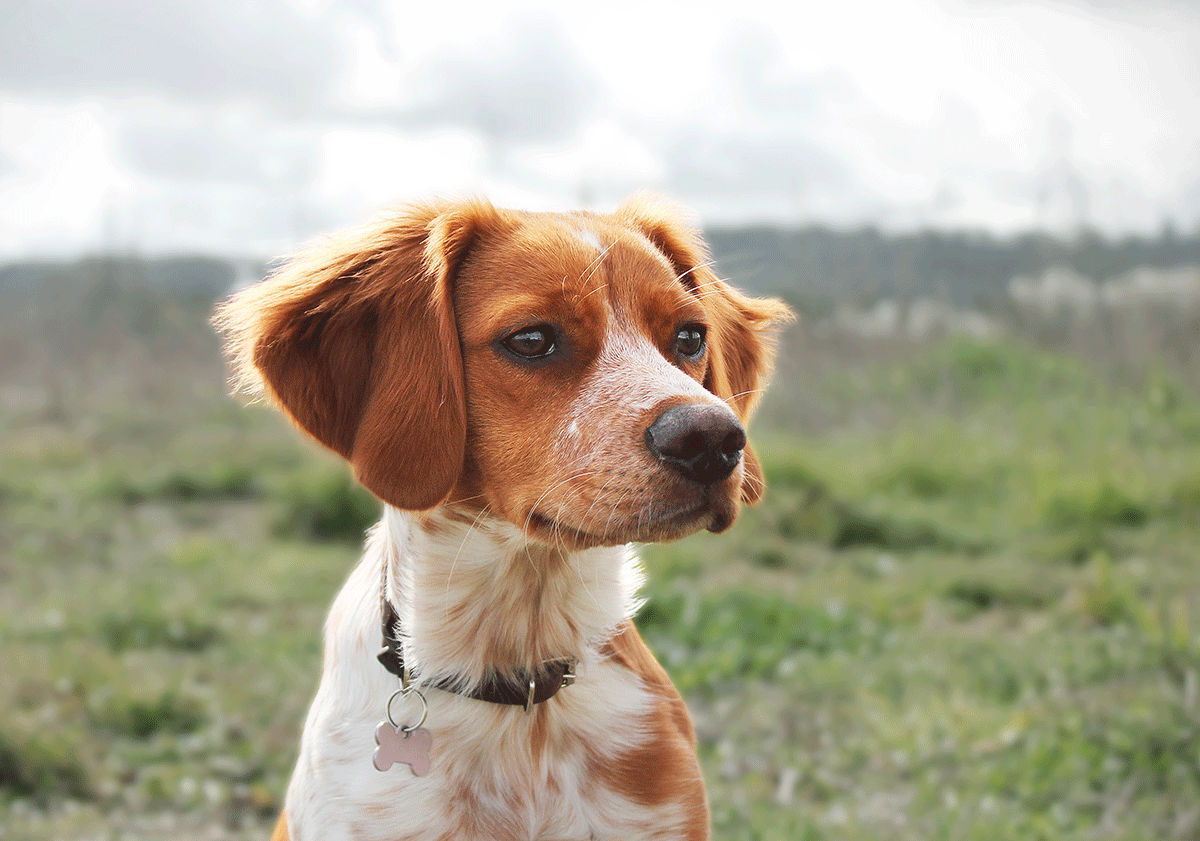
x=714, y=513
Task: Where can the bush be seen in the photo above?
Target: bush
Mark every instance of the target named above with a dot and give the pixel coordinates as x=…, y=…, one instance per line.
x=1185, y=498
x=325, y=505
x=926, y=481
x=140, y=717
x=39, y=766
x=788, y=470
x=1102, y=505
x=978, y=595
x=1076, y=546
x=1106, y=600
x=181, y=485
x=858, y=528
x=149, y=627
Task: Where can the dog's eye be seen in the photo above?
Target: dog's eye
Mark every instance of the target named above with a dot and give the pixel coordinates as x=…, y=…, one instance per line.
x=531, y=342
x=689, y=340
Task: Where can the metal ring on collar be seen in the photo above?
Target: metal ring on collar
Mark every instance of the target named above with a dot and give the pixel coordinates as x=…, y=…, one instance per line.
x=404, y=692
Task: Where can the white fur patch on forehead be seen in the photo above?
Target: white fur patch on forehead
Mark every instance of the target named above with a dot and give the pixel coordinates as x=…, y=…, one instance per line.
x=589, y=237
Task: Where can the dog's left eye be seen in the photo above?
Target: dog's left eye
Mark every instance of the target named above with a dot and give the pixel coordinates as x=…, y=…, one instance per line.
x=689, y=340
x=531, y=342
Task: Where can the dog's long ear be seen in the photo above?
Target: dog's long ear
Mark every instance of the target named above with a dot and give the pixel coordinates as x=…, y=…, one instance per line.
x=741, y=352
x=741, y=330
x=355, y=341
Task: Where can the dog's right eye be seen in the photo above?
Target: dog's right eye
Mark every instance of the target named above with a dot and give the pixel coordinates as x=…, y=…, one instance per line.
x=531, y=342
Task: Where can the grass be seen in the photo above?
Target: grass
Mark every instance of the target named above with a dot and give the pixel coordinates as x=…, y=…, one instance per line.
x=138, y=717
x=149, y=626
x=324, y=504
x=222, y=481
x=968, y=607
x=40, y=767
x=1097, y=506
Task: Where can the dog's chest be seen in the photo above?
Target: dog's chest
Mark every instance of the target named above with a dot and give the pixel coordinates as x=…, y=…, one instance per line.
x=495, y=773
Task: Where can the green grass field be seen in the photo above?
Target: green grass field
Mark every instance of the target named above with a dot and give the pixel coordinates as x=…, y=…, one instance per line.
x=969, y=607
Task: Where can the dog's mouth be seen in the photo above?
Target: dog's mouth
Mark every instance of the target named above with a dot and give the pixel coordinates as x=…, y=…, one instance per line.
x=671, y=524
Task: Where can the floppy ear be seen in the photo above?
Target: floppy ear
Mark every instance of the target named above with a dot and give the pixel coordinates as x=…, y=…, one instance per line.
x=741, y=330
x=356, y=342
x=741, y=352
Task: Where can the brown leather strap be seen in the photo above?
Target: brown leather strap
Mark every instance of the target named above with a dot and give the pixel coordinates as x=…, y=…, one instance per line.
x=513, y=690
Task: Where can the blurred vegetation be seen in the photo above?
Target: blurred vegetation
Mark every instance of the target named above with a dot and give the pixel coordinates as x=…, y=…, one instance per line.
x=820, y=267
x=325, y=504
x=968, y=608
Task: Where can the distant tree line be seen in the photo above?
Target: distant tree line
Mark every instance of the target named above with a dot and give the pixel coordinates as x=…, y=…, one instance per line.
x=199, y=278
x=815, y=268
x=818, y=268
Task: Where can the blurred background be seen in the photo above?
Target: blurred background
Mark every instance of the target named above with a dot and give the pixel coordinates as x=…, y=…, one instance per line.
x=969, y=606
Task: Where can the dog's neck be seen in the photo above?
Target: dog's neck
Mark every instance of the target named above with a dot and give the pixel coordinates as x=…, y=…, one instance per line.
x=475, y=596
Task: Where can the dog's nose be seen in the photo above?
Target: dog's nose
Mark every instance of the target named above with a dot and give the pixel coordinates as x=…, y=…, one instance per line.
x=700, y=441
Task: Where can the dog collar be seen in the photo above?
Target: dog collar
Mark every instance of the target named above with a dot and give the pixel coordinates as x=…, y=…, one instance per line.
x=521, y=689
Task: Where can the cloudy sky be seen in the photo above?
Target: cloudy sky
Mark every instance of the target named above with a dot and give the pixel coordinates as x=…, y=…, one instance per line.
x=246, y=127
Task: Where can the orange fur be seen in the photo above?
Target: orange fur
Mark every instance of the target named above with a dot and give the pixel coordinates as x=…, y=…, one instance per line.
x=356, y=342
x=664, y=767
x=281, y=830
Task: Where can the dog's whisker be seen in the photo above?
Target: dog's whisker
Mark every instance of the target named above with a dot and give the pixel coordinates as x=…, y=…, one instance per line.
x=695, y=268
x=594, y=266
x=555, y=536
x=464, y=499
x=733, y=397
x=612, y=511
x=696, y=297
x=583, y=521
x=707, y=293
x=597, y=259
x=594, y=291
x=583, y=524
x=454, y=563
x=550, y=490
x=560, y=542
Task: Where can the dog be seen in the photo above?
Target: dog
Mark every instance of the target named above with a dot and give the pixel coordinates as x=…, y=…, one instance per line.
x=528, y=394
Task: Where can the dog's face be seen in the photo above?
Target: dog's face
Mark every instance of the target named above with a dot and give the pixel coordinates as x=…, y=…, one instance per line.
x=577, y=338
x=585, y=377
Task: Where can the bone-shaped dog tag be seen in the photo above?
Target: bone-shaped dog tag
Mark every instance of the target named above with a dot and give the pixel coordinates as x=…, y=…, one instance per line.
x=395, y=745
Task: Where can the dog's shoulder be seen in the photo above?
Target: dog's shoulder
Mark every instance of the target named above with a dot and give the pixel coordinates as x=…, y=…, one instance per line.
x=627, y=648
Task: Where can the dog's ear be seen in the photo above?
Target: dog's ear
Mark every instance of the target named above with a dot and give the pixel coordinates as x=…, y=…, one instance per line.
x=741, y=350
x=741, y=330
x=356, y=342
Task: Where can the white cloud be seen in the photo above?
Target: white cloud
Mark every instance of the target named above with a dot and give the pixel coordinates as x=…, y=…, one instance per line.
x=365, y=169
x=63, y=181
x=267, y=52
x=222, y=125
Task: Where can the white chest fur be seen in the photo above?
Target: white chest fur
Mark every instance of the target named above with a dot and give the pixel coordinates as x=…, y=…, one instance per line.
x=471, y=595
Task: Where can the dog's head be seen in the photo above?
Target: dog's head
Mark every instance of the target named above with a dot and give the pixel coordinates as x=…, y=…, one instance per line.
x=586, y=377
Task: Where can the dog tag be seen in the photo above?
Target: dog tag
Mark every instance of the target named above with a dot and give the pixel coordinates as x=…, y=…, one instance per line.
x=396, y=745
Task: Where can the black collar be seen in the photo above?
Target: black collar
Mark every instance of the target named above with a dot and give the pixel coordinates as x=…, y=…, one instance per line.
x=520, y=689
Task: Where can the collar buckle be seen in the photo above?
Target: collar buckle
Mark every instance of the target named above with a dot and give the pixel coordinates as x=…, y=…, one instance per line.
x=529, y=697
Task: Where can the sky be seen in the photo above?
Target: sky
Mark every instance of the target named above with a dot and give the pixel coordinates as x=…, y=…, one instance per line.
x=236, y=127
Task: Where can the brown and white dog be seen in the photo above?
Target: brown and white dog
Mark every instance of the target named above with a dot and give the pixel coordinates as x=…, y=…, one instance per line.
x=528, y=394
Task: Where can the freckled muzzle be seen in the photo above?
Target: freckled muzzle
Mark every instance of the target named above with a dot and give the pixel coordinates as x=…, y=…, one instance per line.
x=699, y=441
